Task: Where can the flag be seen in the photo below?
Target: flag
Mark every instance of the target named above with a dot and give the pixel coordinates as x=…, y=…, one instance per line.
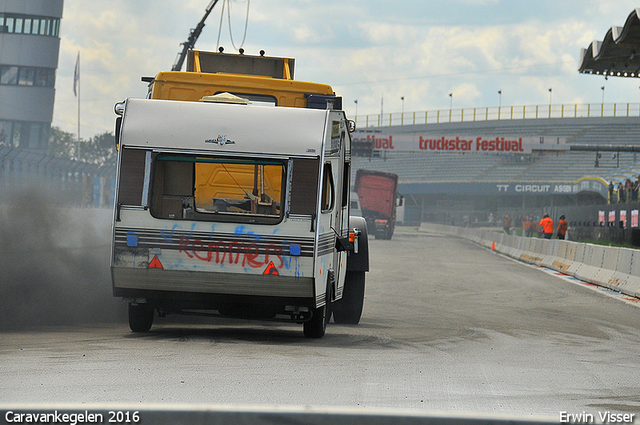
x=76, y=76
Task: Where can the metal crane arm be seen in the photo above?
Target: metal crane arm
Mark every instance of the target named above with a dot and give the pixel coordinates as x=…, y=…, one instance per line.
x=193, y=37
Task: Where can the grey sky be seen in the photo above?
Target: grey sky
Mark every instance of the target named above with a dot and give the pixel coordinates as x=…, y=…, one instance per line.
x=366, y=49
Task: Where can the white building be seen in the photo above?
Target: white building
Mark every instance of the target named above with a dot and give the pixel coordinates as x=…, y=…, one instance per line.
x=29, y=47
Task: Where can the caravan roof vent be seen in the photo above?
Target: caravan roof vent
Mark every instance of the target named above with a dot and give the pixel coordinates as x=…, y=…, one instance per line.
x=226, y=98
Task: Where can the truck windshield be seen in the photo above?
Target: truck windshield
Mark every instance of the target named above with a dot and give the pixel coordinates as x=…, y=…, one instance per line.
x=225, y=189
x=238, y=188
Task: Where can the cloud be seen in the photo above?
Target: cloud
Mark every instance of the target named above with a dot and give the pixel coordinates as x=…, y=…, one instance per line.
x=364, y=49
x=467, y=92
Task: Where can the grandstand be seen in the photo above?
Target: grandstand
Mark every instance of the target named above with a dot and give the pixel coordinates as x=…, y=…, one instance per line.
x=496, y=182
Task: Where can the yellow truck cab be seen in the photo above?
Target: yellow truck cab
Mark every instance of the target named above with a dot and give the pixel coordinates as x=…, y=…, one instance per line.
x=261, y=79
x=236, y=207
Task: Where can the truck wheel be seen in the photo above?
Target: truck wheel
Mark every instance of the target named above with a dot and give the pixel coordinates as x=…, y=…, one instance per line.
x=348, y=310
x=140, y=317
x=317, y=326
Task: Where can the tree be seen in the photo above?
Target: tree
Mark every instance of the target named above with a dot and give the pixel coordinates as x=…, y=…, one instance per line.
x=62, y=144
x=100, y=149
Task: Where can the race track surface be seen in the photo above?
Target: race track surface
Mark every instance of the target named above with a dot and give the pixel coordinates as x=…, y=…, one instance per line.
x=447, y=326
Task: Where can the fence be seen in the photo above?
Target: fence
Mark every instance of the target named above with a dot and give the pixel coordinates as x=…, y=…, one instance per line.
x=613, y=223
x=78, y=183
x=589, y=110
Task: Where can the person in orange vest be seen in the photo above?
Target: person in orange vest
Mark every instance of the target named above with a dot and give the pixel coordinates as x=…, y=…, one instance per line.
x=547, y=226
x=562, y=227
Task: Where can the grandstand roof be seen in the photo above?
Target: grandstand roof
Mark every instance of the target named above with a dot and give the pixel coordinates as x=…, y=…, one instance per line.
x=618, y=54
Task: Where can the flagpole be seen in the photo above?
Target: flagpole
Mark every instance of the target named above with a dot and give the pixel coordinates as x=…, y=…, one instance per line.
x=78, y=77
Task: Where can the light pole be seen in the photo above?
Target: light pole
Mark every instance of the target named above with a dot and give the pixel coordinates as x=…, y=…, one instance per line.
x=450, y=105
x=499, y=102
x=356, y=102
x=402, y=114
x=602, y=106
x=550, y=94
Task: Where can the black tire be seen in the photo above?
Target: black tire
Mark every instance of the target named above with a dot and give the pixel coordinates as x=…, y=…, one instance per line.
x=317, y=326
x=140, y=317
x=348, y=310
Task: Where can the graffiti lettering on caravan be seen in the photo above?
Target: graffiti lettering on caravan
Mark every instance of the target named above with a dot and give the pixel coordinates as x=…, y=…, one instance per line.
x=243, y=253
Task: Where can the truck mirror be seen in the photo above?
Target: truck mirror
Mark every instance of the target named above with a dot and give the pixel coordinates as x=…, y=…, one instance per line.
x=117, y=133
x=352, y=126
x=118, y=109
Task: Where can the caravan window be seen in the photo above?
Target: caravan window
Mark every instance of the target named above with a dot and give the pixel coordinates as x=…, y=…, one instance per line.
x=218, y=189
x=328, y=189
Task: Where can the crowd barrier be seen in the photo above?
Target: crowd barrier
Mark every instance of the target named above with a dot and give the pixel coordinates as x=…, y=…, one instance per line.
x=612, y=267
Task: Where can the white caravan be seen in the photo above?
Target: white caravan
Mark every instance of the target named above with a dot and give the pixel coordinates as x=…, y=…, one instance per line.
x=236, y=210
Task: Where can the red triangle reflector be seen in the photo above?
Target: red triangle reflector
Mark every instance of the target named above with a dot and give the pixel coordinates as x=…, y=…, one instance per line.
x=155, y=263
x=271, y=269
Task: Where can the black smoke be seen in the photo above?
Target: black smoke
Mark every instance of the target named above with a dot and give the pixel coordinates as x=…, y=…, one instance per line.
x=54, y=262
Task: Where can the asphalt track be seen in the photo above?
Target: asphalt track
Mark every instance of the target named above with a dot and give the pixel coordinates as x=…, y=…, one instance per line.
x=447, y=326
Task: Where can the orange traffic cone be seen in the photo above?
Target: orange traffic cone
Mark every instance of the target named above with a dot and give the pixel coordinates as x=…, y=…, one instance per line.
x=493, y=246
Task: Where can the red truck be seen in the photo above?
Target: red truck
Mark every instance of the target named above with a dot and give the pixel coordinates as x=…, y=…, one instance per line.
x=378, y=192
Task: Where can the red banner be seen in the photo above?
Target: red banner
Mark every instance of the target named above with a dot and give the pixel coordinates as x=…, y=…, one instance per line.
x=462, y=144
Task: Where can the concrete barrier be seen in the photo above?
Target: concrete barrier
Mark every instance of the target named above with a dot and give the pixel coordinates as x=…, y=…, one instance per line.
x=609, y=264
x=592, y=262
x=489, y=241
x=578, y=257
x=611, y=267
x=517, y=250
x=512, y=243
x=551, y=253
x=626, y=277
x=537, y=249
x=526, y=253
x=624, y=269
x=632, y=285
x=564, y=258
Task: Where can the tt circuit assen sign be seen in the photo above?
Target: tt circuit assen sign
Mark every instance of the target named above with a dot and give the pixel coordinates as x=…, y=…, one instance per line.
x=585, y=184
x=453, y=143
